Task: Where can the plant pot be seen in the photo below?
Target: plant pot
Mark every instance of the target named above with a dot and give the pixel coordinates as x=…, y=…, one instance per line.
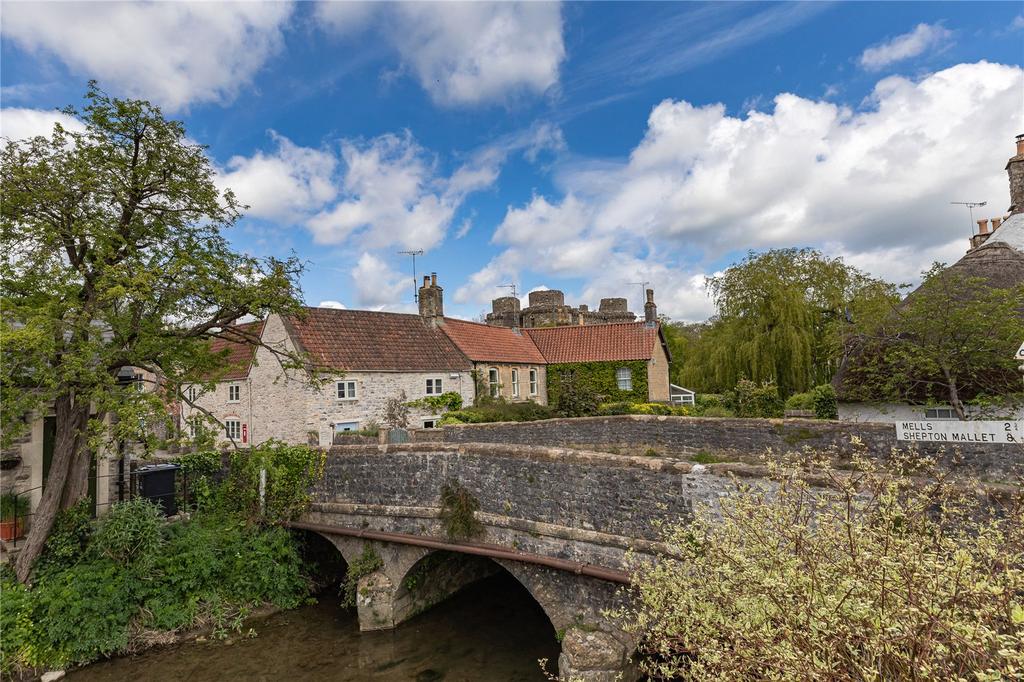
x=11, y=530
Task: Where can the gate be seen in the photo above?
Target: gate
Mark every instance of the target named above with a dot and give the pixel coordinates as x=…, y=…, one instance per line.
x=398, y=436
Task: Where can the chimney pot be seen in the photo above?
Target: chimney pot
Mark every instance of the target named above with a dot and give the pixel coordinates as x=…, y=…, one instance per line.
x=983, y=226
x=433, y=279
x=426, y=280
x=650, y=309
x=1020, y=143
x=996, y=222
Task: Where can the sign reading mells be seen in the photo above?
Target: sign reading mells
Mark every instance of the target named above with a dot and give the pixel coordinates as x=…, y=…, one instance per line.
x=961, y=432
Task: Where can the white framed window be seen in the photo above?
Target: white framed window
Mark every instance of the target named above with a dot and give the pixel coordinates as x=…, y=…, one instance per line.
x=137, y=381
x=346, y=390
x=515, y=383
x=233, y=428
x=341, y=427
x=192, y=393
x=624, y=378
x=234, y=393
x=492, y=381
x=940, y=413
x=430, y=423
x=434, y=387
x=533, y=381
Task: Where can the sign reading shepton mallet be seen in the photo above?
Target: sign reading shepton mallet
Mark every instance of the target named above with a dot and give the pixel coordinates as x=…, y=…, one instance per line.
x=954, y=432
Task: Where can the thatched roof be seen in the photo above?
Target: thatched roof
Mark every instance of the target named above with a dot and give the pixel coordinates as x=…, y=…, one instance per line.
x=999, y=261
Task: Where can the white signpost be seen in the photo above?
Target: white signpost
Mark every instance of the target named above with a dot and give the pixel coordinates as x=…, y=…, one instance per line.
x=955, y=432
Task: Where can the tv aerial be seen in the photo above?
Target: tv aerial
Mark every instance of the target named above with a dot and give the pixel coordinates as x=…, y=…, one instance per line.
x=971, y=205
x=512, y=289
x=415, y=289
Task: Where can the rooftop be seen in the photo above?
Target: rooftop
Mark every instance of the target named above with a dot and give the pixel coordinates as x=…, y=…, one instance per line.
x=486, y=343
x=596, y=342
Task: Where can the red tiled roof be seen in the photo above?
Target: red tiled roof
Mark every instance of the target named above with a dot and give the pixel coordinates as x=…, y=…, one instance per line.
x=366, y=340
x=485, y=343
x=240, y=350
x=596, y=342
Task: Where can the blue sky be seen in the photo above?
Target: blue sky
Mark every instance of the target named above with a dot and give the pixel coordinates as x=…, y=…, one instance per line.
x=576, y=146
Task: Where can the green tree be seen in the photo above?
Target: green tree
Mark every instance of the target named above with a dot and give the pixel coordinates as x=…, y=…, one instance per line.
x=114, y=258
x=951, y=340
x=780, y=318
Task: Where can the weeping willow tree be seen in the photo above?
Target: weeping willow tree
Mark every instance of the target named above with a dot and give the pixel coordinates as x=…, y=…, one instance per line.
x=780, y=318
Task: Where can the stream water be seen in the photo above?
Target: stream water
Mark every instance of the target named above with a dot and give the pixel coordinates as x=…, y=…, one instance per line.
x=492, y=630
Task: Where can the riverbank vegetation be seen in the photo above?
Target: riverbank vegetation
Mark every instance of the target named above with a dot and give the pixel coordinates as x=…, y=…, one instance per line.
x=882, y=577
x=133, y=578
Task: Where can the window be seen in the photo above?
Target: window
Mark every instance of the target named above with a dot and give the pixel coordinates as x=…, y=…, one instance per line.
x=533, y=382
x=342, y=427
x=191, y=394
x=234, y=393
x=429, y=423
x=624, y=378
x=233, y=428
x=940, y=413
x=515, y=383
x=492, y=381
x=346, y=390
x=138, y=382
x=434, y=387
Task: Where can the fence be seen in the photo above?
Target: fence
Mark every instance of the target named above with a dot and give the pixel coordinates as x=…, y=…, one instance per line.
x=128, y=485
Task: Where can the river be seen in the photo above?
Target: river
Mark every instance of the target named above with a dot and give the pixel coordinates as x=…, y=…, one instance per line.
x=492, y=630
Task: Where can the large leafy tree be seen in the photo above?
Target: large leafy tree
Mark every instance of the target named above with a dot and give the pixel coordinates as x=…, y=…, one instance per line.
x=114, y=259
x=952, y=340
x=780, y=318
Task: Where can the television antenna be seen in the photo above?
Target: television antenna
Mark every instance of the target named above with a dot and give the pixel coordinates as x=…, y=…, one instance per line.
x=971, y=205
x=415, y=290
x=511, y=288
x=643, y=290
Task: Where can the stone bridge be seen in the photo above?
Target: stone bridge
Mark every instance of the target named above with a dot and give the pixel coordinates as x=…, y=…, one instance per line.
x=559, y=520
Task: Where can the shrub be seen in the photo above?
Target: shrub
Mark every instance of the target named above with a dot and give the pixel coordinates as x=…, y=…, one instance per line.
x=291, y=472
x=718, y=412
x=201, y=470
x=753, y=400
x=498, y=410
x=396, y=412
x=825, y=404
x=800, y=401
x=446, y=402
x=575, y=400
x=707, y=400
x=131, y=534
x=874, y=577
x=66, y=546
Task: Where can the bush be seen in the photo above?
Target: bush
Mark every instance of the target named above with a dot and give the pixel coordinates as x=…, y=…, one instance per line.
x=800, y=401
x=130, y=534
x=575, y=400
x=69, y=538
x=874, y=577
x=498, y=410
x=291, y=472
x=753, y=400
x=825, y=404
x=722, y=412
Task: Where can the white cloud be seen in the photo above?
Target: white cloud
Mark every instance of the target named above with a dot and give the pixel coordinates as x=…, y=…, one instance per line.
x=466, y=53
x=872, y=184
x=378, y=285
x=174, y=53
x=286, y=185
x=337, y=305
x=394, y=195
x=924, y=37
x=17, y=123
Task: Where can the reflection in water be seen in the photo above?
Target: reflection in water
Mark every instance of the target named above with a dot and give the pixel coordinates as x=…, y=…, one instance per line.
x=492, y=630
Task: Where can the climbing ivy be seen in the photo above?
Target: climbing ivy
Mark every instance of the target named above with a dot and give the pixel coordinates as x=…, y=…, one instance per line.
x=598, y=379
x=363, y=565
x=457, y=512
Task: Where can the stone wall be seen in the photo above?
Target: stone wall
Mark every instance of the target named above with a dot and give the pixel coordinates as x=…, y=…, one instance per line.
x=739, y=438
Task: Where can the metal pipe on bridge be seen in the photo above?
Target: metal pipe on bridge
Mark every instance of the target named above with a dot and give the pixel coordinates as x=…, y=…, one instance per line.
x=477, y=549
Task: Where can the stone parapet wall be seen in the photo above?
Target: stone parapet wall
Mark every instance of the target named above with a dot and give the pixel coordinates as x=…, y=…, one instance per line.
x=745, y=439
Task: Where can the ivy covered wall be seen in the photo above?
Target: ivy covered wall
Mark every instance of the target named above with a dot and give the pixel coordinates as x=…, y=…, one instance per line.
x=598, y=378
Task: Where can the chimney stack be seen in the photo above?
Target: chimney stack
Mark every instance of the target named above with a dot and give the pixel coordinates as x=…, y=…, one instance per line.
x=983, y=226
x=1015, y=169
x=650, y=308
x=431, y=299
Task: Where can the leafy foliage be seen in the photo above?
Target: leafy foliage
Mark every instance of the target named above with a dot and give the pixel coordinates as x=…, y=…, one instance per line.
x=446, y=402
x=396, y=412
x=952, y=340
x=872, y=577
x=135, y=573
x=594, y=382
x=748, y=399
x=291, y=472
x=13, y=505
x=826, y=406
x=458, y=507
x=498, y=410
x=781, y=317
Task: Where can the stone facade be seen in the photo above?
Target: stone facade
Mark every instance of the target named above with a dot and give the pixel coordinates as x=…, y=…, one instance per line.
x=547, y=308
x=658, y=389
x=1015, y=170
x=279, y=404
x=506, y=385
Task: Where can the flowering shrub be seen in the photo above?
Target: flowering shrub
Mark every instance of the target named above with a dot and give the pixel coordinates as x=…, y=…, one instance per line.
x=828, y=575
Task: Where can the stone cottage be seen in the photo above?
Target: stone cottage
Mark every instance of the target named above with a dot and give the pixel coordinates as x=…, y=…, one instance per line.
x=365, y=358
x=627, y=361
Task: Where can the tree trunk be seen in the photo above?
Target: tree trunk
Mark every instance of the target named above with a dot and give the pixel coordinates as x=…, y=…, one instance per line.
x=76, y=487
x=954, y=398
x=71, y=419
